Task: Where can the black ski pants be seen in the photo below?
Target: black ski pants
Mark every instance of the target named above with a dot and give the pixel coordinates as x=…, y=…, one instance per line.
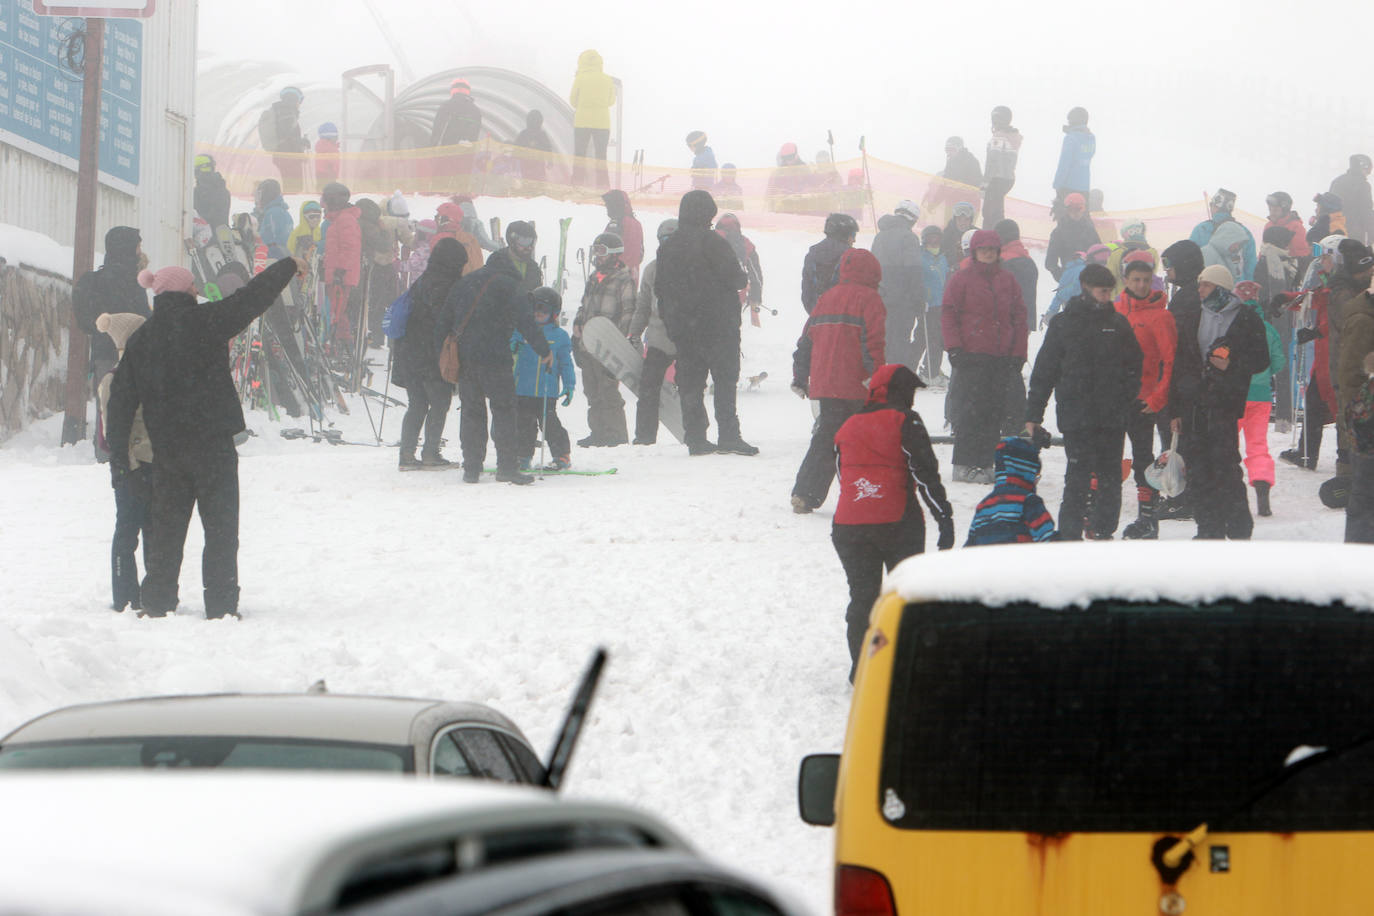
x=864, y=552
x=994, y=202
x=1359, y=512
x=381, y=292
x=1089, y=452
x=591, y=143
x=900, y=325
x=981, y=407
x=721, y=360
x=133, y=498
x=1316, y=414
x=480, y=383
x=817, y=469
x=427, y=404
x=204, y=476
x=656, y=364
x=1141, y=433
x=536, y=415
x=1221, y=504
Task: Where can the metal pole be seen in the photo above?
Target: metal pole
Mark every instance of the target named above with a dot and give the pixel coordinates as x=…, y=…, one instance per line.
x=83, y=256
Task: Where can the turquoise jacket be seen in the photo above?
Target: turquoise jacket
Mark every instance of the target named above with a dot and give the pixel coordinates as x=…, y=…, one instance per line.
x=530, y=380
x=1261, y=388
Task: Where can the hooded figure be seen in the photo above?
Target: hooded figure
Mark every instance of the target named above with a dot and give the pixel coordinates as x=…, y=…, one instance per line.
x=177, y=369
x=1352, y=188
x=1013, y=513
x=113, y=288
x=624, y=224
x=415, y=363
x=903, y=291
x=274, y=219
x=883, y=460
x=1224, y=241
x=697, y=283
x=593, y=94
x=840, y=346
x=533, y=167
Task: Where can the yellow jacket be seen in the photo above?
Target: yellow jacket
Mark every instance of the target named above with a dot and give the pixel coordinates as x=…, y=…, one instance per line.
x=593, y=93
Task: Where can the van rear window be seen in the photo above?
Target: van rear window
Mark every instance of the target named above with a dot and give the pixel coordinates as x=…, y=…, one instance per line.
x=1129, y=717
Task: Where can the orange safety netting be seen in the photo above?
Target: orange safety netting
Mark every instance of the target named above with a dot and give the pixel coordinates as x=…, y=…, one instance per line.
x=777, y=198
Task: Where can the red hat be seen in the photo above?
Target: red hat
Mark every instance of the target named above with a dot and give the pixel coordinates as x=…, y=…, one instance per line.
x=459, y=87
x=985, y=238
x=1075, y=201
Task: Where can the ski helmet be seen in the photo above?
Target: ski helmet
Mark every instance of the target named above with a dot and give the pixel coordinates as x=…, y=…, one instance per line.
x=787, y=154
x=204, y=163
x=728, y=221
x=546, y=299
x=1078, y=116
x=1133, y=231
x=932, y=234
x=696, y=139
x=1328, y=202
x=1001, y=116
x=967, y=240
x=1331, y=244
x=666, y=228
x=841, y=225
x=1223, y=200
x=521, y=236
x=1281, y=199
x=328, y=131
x=954, y=143
x=1075, y=202
x=909, y=211
x=1098, y=254
x=335, y=196
x=459, y=87
x=965, y=209
x=1360, y=161
x=607, y=244
x=292, y=94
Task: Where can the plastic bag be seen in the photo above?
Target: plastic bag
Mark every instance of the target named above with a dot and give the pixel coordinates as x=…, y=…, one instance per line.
x=1168, y=474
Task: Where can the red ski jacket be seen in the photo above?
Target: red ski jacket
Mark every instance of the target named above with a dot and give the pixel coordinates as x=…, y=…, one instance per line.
x=983, y=312
x=1157, y=334
x=343, y=246
x=843, y=341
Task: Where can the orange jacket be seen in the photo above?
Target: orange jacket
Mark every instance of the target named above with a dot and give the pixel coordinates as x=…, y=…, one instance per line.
x=1157, y=335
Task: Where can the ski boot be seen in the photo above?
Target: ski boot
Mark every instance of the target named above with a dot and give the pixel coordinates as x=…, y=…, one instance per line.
x=802, y=506
x=737, y=446
x=1298, y=459
x=408, y=461
x=1146, y=526
x=703, y=447
x=1262, y=499
x=472, y=473
x=523, y=464
x=515, y=477
x=435, y=462
x=561, y=463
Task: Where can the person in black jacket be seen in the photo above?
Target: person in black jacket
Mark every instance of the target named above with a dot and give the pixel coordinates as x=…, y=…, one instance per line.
x=1182, y=262
x=533, y=167
x=211, y=198
x=1092, y=362
x=820, y=269
x=1073, y=232
x=113, y=288
x=1221, y=344
x=458, y=120
x=415, y=360
x=697, y=282
x=176, y=367
x=483, y=310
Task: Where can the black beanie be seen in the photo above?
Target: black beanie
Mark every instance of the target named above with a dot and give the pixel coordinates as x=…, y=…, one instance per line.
x=1007, y=230
x=1096, y=275
x=122, y=242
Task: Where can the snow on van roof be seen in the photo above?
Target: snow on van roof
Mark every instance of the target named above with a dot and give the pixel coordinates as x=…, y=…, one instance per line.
x=1076, y=574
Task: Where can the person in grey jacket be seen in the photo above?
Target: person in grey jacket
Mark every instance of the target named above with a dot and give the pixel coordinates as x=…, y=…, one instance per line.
x=647, y=329
x=473, y=225
x=902, y=288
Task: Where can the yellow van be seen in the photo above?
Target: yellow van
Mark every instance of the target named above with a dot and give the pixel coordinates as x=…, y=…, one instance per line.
x=1110, y=729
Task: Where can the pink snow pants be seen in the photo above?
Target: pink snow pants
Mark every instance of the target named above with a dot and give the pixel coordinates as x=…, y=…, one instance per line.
x=1259, y=464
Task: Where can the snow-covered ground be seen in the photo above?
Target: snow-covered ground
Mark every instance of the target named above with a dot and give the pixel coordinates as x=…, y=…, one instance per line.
x=722, y=610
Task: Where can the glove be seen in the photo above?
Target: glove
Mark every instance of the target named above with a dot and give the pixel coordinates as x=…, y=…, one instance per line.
x=1307, y=335
x=1142, y=407
x=567, y=397
x=637, y=343
x=800, y=391
x=119, y=475
x=946, y=534
x=956, y=356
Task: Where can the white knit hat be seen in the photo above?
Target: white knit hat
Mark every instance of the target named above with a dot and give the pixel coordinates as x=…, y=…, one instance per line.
x=120, y=326
x=1217, y=275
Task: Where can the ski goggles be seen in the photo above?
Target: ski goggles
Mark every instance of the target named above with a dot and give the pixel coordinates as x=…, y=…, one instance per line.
x=521, y=242
x=603, y=250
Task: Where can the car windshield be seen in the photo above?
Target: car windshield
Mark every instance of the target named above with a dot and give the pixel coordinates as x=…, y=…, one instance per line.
x=1128, y=717
x=165, y=751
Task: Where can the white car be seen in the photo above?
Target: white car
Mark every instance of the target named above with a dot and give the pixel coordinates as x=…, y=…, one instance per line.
x=273, y=844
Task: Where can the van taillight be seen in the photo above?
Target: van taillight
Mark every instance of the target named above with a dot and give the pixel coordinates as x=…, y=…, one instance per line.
x=862, y=892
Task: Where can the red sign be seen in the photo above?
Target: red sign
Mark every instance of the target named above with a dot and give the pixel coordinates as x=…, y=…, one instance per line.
x=101, y=9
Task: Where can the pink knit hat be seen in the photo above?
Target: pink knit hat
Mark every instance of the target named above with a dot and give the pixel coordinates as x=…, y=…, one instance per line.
x=168, y=280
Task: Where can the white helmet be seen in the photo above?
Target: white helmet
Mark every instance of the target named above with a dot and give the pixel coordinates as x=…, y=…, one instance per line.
x=908, y=210
x=1332, y=244
x=967, y=240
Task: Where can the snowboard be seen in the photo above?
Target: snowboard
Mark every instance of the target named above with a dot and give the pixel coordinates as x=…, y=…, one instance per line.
x=603, y=340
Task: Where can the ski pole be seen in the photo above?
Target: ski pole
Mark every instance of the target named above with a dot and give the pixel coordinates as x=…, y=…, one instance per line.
x=386, y=393
x=868, y=183
x=544, y=418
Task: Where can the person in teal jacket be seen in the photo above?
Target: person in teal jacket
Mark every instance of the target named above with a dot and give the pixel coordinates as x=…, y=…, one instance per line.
x=1075, y=157
x=934, y=272
x=537, y=388
x=1254, y=425
x=1224, y=241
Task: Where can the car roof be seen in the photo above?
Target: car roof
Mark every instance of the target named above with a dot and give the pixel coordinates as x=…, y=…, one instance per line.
x=1068, y=575
x=554, y=883
x=246, y=842
x=337, y=717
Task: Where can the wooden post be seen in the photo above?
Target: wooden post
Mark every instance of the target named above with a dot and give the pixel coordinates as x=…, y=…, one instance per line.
x=83, y=256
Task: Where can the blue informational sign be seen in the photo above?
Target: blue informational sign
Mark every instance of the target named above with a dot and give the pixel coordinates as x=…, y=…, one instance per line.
x=40, y=96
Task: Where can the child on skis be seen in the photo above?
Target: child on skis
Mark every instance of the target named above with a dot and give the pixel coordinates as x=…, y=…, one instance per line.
x=537, y=387
x=1013, y=513
x=883, y=459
